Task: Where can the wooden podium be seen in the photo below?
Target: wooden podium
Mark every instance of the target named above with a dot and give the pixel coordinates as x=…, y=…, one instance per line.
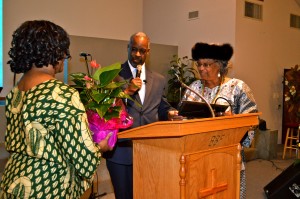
x=189, y=159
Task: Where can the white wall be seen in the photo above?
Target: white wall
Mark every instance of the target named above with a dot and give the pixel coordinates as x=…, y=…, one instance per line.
x=263, y=49
x=111, y=19
x=167, y=22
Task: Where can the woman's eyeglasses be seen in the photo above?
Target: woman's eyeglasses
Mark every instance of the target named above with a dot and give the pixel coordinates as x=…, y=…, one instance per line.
x=205, y=65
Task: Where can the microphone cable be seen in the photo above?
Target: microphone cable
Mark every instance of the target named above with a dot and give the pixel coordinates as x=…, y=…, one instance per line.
x=228, y=101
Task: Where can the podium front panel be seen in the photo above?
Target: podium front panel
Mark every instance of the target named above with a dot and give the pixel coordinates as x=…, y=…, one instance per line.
x=189, y=159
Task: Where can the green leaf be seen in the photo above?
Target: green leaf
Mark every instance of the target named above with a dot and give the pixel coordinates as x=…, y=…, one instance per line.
x=77, y=75
x=92, y=105
x=110, y=68
x=79, y=83
x=97, y=96
x=108, y=100
x=108, y=76
x=83, y=97
x=113, y=112
x=101, y=110
x=110, y=115
x=116, y=92
x=114, y=85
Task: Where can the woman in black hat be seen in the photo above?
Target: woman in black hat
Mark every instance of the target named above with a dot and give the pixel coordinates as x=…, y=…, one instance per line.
x=212, y=63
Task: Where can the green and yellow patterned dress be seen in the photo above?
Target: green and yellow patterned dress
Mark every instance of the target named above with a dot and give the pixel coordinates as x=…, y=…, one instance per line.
x=47, y=135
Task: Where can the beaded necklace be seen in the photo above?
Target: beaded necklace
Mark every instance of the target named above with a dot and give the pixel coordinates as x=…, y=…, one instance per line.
x=218, y=92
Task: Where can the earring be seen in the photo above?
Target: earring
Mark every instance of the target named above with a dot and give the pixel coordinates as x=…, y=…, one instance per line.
x=219, y=75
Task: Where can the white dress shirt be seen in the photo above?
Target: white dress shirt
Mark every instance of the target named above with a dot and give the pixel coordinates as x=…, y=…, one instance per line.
x=142, y=91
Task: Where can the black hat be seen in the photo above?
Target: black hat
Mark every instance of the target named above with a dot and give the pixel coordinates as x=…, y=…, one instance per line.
x=212, y=51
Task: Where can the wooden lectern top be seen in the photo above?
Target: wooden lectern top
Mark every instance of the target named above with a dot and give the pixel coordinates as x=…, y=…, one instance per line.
x=193, y=126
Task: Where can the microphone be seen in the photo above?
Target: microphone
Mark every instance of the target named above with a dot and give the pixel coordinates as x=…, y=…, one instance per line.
x=83, y=54
x=187, y=87
x=139, y=71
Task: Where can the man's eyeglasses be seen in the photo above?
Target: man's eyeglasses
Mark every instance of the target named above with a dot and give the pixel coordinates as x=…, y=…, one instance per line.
x=205, y=65
x=142, y=51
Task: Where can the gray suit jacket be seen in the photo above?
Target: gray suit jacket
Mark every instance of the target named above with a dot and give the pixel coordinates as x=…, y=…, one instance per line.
x=154, y=108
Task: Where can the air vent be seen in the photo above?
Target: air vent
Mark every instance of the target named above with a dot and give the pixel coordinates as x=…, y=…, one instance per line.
x=253, y=10
x=193, y=15
x=295, y=21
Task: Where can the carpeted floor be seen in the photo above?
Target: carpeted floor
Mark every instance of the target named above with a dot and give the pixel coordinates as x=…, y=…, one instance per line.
x=260, y=172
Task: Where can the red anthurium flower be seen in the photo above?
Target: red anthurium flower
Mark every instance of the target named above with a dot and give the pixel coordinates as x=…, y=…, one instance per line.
x=94, y=64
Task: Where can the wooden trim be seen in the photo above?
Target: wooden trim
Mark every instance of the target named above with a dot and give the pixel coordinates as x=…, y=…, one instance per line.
x=182, y=174
x=181, y=128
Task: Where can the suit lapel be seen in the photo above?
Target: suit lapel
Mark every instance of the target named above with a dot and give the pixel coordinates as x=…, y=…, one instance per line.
x=126, y=72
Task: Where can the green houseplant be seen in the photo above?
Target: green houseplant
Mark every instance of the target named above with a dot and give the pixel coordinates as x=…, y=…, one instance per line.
x=183, y=66
x=99, y=91
x=101, y=95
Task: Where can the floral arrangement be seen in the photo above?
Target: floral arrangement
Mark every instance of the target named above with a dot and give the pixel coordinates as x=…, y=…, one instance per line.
x=101, y=96
x=292, y=95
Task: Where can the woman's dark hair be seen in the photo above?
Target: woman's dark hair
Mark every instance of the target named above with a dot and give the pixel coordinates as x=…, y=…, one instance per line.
x=38, y=43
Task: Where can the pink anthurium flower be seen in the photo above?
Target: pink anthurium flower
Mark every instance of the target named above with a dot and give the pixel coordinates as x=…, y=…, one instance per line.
x=89, y=82
x=87, y=78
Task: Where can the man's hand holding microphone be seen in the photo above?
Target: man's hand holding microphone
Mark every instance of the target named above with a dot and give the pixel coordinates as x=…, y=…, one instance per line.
x=136, y=83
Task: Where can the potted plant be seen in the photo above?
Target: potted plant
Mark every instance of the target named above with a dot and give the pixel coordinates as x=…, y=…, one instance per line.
x=183, y=67
x=101, y=96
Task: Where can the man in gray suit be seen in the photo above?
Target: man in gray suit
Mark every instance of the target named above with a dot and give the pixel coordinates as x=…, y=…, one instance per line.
x=147, y=88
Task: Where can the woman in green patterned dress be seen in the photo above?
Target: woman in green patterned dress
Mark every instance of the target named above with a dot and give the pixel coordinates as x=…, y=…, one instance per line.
x=52, y=154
